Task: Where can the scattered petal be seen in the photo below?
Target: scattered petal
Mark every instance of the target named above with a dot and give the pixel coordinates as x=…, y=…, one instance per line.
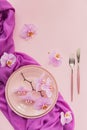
x=42, y=103
x=7, y=59
x=55, y=59
x=28, y=31
x=66, y=118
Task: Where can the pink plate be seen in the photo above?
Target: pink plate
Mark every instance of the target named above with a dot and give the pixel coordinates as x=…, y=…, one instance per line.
x=31, y=91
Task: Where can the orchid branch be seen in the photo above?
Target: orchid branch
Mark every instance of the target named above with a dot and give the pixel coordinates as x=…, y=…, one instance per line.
x=30, y=82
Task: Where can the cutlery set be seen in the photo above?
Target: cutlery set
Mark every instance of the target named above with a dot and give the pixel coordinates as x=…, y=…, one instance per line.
x=72, y=64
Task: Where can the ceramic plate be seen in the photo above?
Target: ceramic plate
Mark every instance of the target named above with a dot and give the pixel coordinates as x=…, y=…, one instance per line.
x=31, y=91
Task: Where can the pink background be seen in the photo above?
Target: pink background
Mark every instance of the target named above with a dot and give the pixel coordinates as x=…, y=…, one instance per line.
x=62, y=26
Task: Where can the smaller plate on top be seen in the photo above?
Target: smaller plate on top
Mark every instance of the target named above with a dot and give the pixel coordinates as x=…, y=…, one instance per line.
x=31, y=91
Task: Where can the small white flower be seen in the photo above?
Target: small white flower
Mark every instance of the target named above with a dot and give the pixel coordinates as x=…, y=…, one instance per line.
x=7, y=59
x=66, y=118
x=55, y=59
x=28, y=31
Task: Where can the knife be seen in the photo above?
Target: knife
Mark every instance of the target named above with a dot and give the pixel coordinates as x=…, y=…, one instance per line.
x=78, y=70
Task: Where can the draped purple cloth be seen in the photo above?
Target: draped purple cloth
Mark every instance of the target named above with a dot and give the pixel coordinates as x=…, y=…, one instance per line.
x=50, y=121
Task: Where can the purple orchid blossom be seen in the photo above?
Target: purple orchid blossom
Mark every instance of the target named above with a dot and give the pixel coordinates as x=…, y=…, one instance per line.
x=55, y=59
x=42, y=103
x=29, y=98
x=47, y=87
x=66, y=118
x=39, y=82
x=28, y=31
x=7, y=59
x=21, y=91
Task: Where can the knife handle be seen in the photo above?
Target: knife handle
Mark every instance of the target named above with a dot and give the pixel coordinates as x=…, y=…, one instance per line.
x=71, y=84
x=78, y=79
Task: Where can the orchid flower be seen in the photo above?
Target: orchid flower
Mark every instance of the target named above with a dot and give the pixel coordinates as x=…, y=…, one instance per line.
x=55, y=59
x=39, y=82
x=29, y=99
x=42, y=103
x=28, y=31
x=47, y=87
x=7, y=59
x=66, y=118
x=21, y=91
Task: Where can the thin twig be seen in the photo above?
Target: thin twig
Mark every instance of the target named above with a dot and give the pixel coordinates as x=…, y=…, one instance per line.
x=40, y=93
x=30, y=82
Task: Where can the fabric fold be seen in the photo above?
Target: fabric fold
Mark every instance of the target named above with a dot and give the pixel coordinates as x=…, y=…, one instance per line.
x=7, y=22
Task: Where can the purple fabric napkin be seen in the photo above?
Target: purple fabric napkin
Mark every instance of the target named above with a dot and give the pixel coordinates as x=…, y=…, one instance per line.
x=50, y=121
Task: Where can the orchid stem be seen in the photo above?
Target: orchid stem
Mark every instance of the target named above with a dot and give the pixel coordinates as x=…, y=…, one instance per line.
x=30, y=82
x=40, y=93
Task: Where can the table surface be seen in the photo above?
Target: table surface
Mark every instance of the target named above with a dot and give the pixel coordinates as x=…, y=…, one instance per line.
x=62, y=26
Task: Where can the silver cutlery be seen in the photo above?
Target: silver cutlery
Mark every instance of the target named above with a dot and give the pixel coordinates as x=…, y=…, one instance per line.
x=78, y=70
x=72, y=64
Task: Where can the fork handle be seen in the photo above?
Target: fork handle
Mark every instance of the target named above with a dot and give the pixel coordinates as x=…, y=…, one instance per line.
x=78, y=79
x=71, y=84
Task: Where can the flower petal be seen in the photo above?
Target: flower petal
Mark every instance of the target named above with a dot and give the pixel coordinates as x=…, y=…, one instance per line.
x=24, y=31
x=48, y=82
x=62, y=119
x=68, y=117
x=54, y=59
x=42, y=102
x=28, y=31
x=48, y=93
x=21, y=91
x=38, y=87
x=7, y=59
x=29, y=98
x=4, y=59
x=12, y=58
x=39, y=82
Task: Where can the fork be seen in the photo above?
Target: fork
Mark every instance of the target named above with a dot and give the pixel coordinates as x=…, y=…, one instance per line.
x=72, y=64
